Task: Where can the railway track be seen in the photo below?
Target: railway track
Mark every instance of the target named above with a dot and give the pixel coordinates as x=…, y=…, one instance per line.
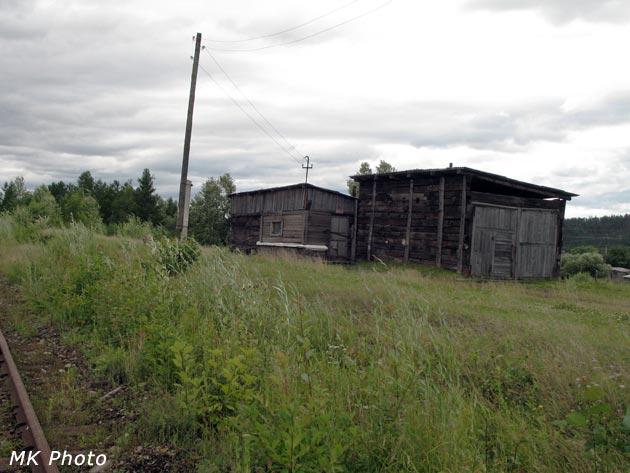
x=27, y=424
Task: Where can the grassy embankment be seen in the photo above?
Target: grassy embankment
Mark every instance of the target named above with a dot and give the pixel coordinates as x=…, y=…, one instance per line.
x=290, y=365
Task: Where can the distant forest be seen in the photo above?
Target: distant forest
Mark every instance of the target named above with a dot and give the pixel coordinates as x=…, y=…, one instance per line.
x=601, y=232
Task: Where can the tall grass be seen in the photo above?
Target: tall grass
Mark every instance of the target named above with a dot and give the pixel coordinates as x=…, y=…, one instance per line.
x=260, y=364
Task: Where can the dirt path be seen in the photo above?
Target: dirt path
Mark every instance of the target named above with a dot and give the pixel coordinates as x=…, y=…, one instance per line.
x=77, y=412
x=69, y=405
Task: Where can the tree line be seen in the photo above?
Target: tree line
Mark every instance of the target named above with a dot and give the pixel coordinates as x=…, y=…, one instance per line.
x=94, y=202
x=608, y=236
x=601, y=232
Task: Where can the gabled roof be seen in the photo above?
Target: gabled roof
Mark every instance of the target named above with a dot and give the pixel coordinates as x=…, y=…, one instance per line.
x=293, y=186
x=543, y=191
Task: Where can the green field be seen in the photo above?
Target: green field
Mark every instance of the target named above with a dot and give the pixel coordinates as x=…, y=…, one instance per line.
x=250, y=363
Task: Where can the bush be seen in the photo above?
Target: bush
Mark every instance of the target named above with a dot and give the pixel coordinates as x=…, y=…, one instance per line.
x=578, y=250
x=589, y=263
x=44, y=206
x=20, y=226
x=619, y=256
x=133, y=228
x=77, y=207
x=174, y=256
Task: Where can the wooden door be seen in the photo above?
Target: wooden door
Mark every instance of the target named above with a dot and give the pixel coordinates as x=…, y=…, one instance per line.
x=493, y=242
x=514, y=243
x=537, y=243
x=339, y=242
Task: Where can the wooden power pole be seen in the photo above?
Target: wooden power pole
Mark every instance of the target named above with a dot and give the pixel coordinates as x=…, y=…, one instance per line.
x=307, y=167
x=184, y=184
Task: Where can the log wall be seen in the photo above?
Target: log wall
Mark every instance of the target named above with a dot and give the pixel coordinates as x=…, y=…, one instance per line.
x=244, y=232
x=401, y=219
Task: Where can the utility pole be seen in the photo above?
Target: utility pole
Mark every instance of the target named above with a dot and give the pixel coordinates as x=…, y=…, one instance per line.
x=184, y=184
x=307, y=167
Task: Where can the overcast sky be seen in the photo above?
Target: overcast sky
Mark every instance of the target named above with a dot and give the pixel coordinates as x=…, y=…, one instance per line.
x=537, y=90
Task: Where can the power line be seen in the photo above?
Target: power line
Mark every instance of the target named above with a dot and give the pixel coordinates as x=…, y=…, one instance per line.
x=350, y=20
x=291, y=146
x=254, y=121
x=293, y=28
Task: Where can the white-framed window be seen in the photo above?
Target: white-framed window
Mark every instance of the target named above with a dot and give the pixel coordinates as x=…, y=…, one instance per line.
x=275, y=228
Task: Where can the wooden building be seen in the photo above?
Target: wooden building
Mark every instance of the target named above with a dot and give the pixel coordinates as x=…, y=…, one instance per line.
x=300, y=218
x=477, y=223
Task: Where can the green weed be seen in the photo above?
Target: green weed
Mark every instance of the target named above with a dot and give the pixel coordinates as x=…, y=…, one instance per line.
x=282, y=364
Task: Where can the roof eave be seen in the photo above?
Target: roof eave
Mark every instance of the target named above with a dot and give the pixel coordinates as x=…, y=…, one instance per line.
x=292, y=186
x=543, y=191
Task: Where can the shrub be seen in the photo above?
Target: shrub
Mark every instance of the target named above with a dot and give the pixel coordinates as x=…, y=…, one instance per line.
x=133, y=228
x=619, y=256
x=215, y=386
x=590, y=263
x=44, y=206
x=174, y=256
x=578, y=250
x=77, y=207
x=604, y=428
x=581, y=278
x=24, y=228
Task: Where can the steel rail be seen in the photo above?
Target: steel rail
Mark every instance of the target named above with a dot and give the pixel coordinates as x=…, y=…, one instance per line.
x=27, y=423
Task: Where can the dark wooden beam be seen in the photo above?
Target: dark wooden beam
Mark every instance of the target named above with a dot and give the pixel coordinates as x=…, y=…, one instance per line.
x=353, y=247
x=440, y=230
x=408, y=231
x=371, y=229
x=462, y=227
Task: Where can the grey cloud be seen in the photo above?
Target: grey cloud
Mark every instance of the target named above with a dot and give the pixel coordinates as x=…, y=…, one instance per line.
x=104, y=90
x=447, y=124
x=563, y=11
x=574, y=172
x=273, y=29
x=607, y=199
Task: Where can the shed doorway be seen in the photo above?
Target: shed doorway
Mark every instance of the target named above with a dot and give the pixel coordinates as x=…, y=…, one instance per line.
x=339, y=237
x=513, y=243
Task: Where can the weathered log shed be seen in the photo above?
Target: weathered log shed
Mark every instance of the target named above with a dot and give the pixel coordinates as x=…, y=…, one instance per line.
x=471, y=221
x=300, y=218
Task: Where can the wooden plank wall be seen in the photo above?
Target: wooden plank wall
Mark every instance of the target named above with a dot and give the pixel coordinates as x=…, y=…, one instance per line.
x=300, y=225
x=318, y=228
x=432, y=200
x=292, y=227
x=244, y=232
x=290, y=199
